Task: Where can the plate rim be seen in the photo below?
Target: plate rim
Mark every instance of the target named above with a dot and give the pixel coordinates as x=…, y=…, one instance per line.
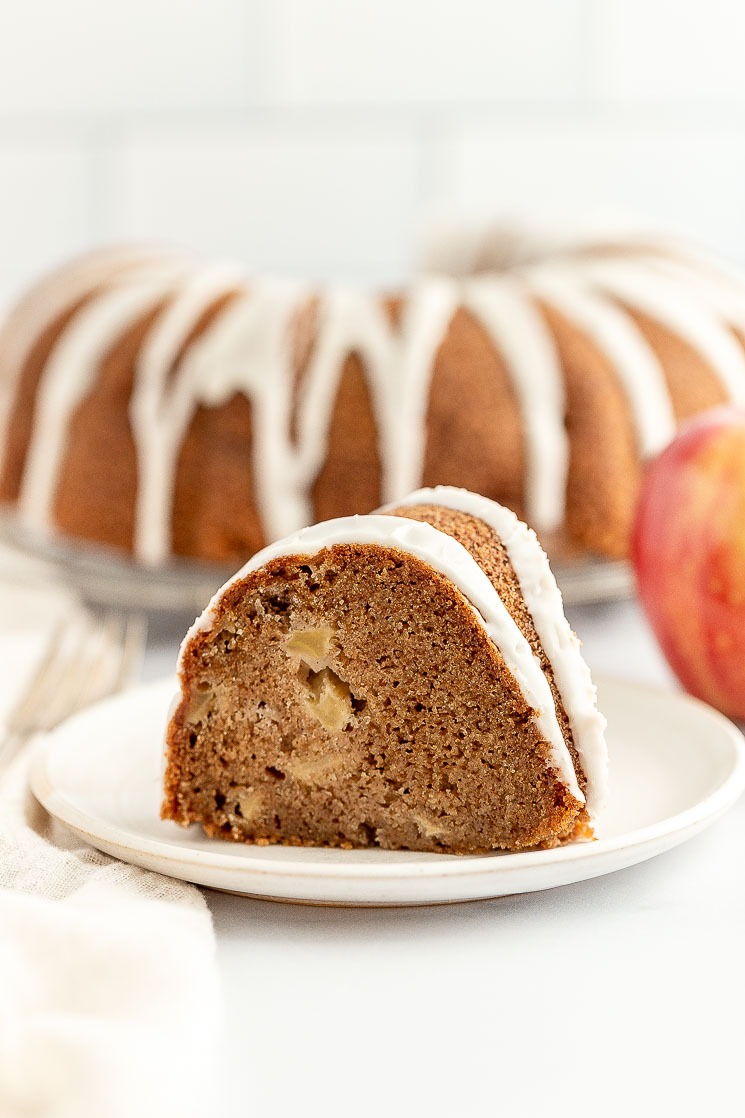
x=499, y=863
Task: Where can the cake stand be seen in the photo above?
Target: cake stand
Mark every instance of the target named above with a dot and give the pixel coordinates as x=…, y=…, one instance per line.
x=106, y=579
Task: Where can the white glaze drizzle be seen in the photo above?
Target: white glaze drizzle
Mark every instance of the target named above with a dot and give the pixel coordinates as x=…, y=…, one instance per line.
x=69, y=375
x=445, y=555
x=155, y=417
x=719, y=292
x=426, y=317
x=543, y=600
x=347, y=322
x=632, y=358
x=523, y=339
x=247, y=350
x=647, y=292
x=49, y=299
x=250, y=338
x=464, y=248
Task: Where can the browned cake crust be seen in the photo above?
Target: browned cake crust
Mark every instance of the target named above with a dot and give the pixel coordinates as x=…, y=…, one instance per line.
x=473, y=435
x=101, y=461
x=474, y=431
x=353, y=699
x=604, y=465
x=24, y=402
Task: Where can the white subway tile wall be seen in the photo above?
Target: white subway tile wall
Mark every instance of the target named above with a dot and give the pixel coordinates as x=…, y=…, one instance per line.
x=673, y=174
x=428, y=52
x=671, y=50
x=317, y=137
x=285, y=199
x=45, y=191
x=91, y=57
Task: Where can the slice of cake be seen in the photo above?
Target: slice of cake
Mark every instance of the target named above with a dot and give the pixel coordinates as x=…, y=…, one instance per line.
x=405, y=680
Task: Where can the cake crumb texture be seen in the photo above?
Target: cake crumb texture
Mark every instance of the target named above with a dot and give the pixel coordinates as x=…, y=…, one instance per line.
x=352, y=698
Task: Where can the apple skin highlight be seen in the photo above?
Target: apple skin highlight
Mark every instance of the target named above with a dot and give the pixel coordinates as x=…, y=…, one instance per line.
x=688, y=550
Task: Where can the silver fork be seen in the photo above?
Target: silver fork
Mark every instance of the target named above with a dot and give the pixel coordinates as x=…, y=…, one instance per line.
x=86, y=659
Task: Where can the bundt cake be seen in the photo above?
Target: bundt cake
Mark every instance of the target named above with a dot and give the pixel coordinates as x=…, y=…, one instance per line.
x=405, y=679
x=165, y=408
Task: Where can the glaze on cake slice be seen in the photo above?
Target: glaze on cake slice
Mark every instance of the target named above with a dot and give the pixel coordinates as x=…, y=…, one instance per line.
x=404, y=680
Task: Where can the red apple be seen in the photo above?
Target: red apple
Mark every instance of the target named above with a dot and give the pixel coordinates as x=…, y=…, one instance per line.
x=689, y=553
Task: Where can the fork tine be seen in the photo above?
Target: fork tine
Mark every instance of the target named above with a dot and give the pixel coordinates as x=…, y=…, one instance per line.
x=107, y=656
x=49, y=665
x=72, y=679
x=24, y=717
x=133, y=650
x=85, y=660
x=99, y=662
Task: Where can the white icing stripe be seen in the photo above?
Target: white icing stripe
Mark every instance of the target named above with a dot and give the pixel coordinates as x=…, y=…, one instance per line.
x=69, y=375
x=451, y=559
x=674, y=309
x=425, y=321
x=49, y=299
x=699, y=260
x=246, y=349
x=632, y=358
x=463, y=248
x=347, y=322
x=155, y=424
x=523, y=339
x=397, y=366
x=249, y=350
x=543, y=600
x=718, y=292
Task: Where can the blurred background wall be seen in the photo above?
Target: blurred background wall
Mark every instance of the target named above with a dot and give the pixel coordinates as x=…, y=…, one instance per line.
x=316, y=137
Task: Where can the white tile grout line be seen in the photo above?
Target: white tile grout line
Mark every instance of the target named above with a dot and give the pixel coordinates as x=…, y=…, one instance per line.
x=29, y=128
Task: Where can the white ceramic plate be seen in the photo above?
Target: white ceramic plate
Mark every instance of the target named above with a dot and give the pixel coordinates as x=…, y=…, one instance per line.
x=676, y=766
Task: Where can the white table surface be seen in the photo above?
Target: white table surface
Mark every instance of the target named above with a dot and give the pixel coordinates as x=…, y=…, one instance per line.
x=624, y=995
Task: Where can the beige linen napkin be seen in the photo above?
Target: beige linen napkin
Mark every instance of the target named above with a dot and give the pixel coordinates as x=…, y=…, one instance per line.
x=108, y=979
